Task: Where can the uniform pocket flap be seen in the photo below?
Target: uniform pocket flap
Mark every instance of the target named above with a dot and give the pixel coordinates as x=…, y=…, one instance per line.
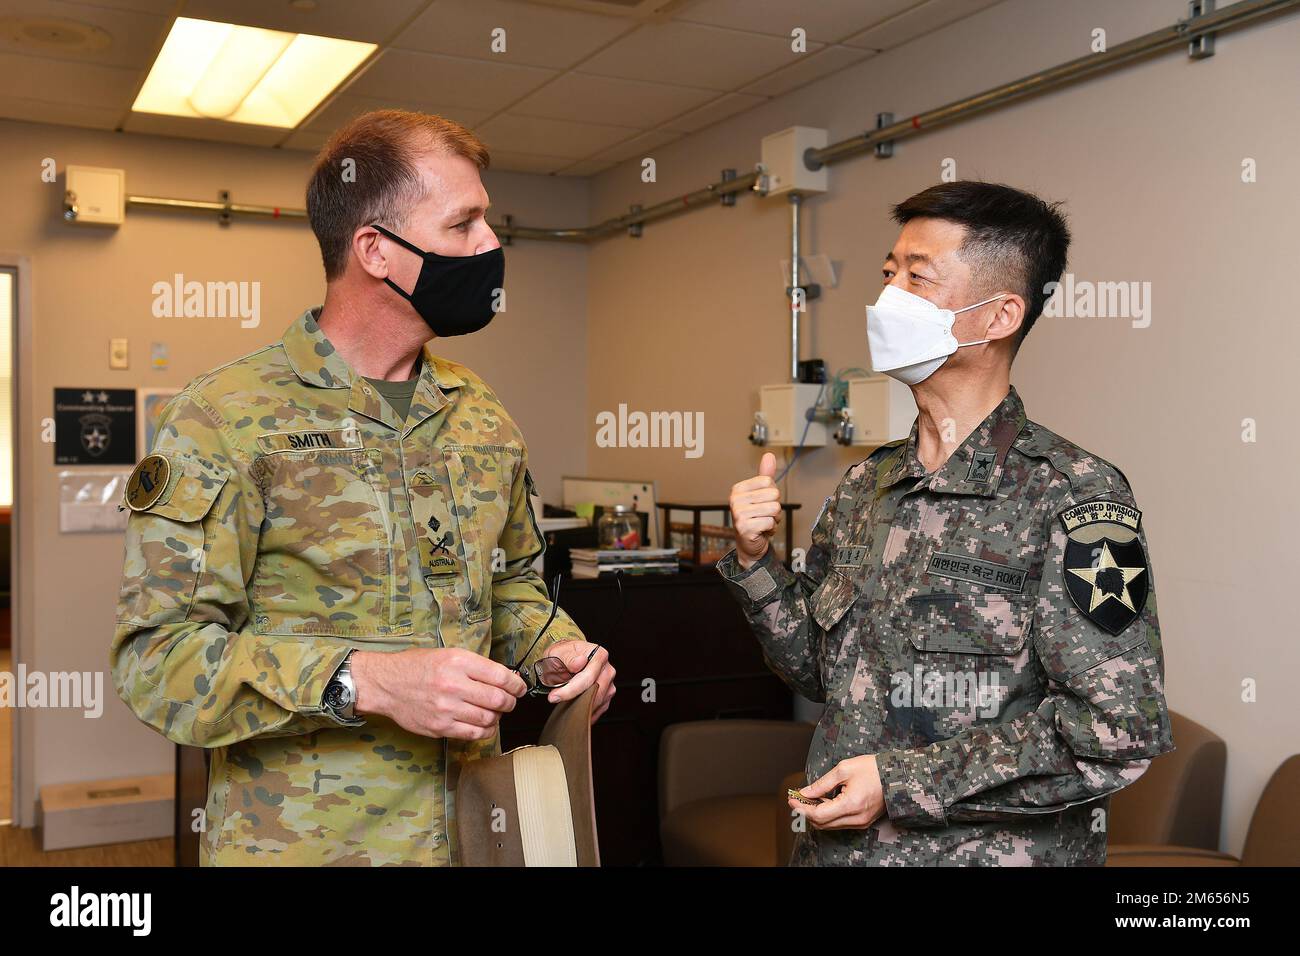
x=189, y=486
x=949, y=623
x=835, y=596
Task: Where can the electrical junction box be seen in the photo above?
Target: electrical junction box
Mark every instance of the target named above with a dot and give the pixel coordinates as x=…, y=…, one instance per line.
x=784, y=408
x=783, y=162
x=868, y=403
x=94, y=195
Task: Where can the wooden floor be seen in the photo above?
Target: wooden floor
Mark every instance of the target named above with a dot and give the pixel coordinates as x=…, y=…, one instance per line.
x=23, y=847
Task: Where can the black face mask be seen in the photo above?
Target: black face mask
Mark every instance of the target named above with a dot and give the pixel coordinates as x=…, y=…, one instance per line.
x=453, y=294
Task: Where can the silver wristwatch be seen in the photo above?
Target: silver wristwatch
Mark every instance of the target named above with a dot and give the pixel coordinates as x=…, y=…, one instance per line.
x=341, y=692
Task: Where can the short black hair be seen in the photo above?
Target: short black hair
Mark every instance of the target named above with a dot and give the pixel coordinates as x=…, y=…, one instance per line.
x=1014, y=240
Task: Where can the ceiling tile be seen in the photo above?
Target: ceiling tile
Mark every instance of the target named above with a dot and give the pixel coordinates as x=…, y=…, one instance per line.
x=134, y=37
x=639, y=146
x=826, y=20
x=162, y=8
x=373, y=21
x=64, y=114
x=605, y=99
x=86, y=84
x=688, y=54
x=310, y=140
x=720, y=109
x=588, y=167
x=347, y=107
x=535, y=36
x=188, y=127
x=527, y=163
x=454, y=81
x=919, y=20
x=813, y=66
x=530, y=134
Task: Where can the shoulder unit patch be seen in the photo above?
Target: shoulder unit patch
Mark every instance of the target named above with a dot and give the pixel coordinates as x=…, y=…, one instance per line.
x=147, y=481
x=1105, y=564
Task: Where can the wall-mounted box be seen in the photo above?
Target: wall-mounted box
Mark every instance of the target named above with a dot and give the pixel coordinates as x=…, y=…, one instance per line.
x=868, y=403
x=95, y=195
x=783, y=163
x=784, y=408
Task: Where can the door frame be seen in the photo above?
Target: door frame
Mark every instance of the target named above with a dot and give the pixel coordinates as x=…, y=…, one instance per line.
x=20, y=543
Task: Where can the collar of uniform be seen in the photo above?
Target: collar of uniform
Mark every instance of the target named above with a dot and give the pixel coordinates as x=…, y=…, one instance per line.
x=975, y=468
x=317, y=362
x=436, y=378
x=313, y=358
x=901, y=463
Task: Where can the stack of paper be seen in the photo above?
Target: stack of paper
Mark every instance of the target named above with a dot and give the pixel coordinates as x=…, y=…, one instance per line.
x=594, y=562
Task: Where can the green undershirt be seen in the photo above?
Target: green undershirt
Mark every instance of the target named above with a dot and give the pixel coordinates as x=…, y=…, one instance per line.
x=398, y=394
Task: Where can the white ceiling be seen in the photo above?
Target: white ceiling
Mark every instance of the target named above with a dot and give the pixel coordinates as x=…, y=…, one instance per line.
x=574, y=93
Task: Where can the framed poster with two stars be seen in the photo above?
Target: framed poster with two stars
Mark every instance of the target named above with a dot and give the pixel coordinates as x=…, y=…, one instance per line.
x=1105, y=565
x=94, y=426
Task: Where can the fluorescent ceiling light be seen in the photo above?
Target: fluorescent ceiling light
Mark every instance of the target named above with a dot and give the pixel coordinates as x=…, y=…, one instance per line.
x=239, y=74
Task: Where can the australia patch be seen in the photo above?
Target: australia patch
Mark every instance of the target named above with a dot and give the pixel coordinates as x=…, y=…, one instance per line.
x=436, y=553
x=1106, y=570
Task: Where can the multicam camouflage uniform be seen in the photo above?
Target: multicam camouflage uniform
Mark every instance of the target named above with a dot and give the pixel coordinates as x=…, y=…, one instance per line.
x=286, y=516
x=1018, y=569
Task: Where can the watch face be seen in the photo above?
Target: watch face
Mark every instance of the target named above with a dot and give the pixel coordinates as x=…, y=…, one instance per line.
x=336, y=695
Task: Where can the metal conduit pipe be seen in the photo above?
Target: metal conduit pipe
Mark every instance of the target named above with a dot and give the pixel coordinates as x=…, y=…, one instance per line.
x=1177, y=35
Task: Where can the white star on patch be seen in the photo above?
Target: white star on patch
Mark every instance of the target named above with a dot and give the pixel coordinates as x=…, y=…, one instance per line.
x=1098, y=595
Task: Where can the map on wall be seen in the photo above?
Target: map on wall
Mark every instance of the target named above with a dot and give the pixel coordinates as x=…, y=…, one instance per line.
x=94, y=426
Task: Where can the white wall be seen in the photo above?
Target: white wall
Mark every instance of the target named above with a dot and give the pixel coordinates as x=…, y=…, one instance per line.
x=1148, y=160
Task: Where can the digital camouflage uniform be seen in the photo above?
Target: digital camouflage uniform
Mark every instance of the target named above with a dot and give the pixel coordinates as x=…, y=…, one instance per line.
x=294, y=517
x=922, y=591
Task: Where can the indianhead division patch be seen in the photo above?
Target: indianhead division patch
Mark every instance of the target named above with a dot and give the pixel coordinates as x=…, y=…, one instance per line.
x=1106, y=567
x=147, y=482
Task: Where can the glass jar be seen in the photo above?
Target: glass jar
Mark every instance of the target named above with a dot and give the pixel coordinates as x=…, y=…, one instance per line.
x=619, y=528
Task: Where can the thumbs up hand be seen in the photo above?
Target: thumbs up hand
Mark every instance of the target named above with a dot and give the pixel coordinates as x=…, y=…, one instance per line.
x=756, y=511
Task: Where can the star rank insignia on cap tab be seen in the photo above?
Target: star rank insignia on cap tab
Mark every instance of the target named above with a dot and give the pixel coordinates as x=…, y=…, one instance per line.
x=1105, y=565
x=147, y=482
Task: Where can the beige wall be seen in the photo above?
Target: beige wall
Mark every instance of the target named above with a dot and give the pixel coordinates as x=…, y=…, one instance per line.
x=1148, y=160
x=90, y=285
x=690, y=318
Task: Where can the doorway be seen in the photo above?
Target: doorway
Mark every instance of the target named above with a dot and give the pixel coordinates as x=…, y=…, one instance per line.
x=8, y=324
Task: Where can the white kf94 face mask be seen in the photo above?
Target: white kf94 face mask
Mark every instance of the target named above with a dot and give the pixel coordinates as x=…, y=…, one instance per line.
x=910, y=336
